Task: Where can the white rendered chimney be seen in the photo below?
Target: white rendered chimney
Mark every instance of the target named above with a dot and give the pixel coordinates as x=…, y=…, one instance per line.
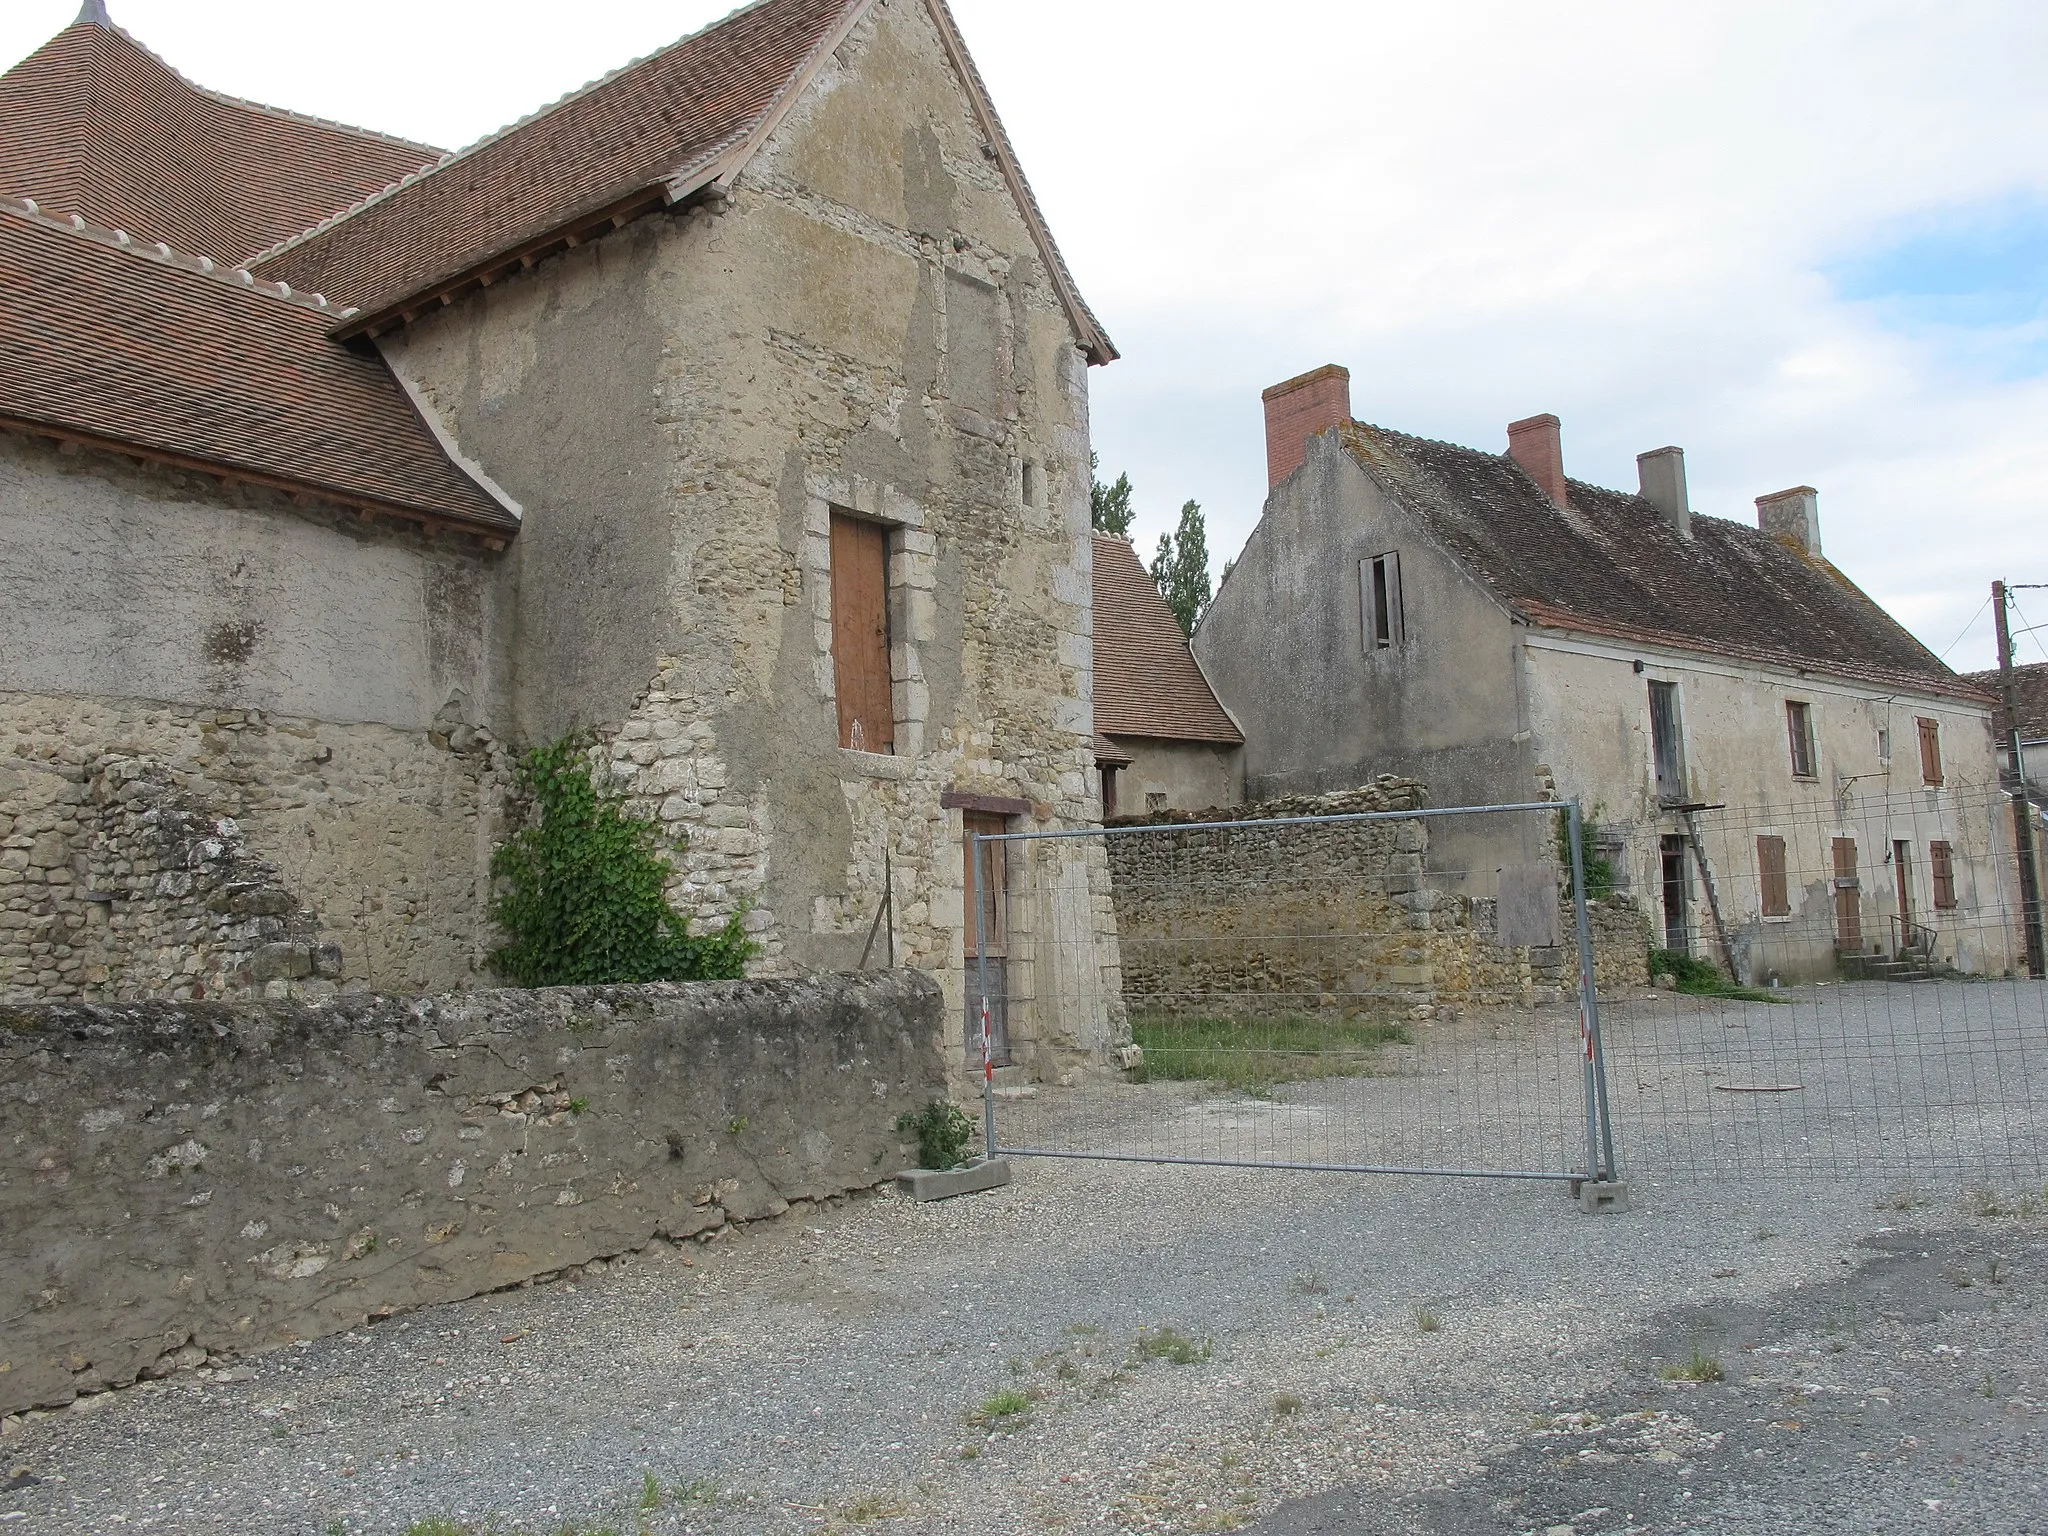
x=1661, y=474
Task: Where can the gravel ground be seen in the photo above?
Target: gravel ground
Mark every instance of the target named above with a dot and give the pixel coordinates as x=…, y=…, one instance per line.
x=1398, y=1344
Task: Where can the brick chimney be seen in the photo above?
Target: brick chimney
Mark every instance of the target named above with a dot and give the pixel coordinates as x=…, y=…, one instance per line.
x=1661, y=474
x=1792, y=517
x=1534, y=443
x=1304, y=407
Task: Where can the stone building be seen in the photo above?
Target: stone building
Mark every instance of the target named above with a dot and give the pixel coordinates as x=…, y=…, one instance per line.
x=733, y=408
x=1780, y=773
x=1162, y=741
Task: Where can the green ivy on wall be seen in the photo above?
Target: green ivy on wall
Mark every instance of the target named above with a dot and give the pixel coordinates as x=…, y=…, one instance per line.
x=583, y=900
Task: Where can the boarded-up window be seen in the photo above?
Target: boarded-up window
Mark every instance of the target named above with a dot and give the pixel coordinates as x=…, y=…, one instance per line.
x=974, y=343
x=1379, y=601
x=1799, y=726
x=1667, y=746
x=860, y=634
x=1770, y=869
x=1930, y=751
x=1941, y=859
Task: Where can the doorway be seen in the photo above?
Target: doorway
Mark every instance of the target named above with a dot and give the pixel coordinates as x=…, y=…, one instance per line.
x=985, y=944
x=1848, y=899
x=1902, y=872
x=1677, y=895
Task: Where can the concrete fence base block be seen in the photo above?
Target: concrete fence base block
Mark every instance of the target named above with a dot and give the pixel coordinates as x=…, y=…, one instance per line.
x=944, y=1183
x=1595, y=1196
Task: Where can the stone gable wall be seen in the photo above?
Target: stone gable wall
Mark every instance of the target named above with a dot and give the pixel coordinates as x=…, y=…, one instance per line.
x=179, y=1180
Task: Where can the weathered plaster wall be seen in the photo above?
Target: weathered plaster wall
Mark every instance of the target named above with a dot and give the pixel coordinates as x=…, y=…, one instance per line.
x=1284, y=647
x=158, y=850
x=123, y=582
x=1192, y=775
x=1590, y=713
x=210, y=1177
x=865, y=325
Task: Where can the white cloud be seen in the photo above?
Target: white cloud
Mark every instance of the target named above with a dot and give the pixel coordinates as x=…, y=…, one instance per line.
x=1619, y=212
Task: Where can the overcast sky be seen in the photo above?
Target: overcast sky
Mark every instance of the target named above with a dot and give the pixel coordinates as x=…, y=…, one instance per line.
x=1807, y=242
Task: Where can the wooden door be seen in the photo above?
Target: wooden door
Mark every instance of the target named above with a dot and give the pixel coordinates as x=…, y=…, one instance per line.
x=1902, y=867
x=1848, y=896
x=860, y=634
x=985, y=946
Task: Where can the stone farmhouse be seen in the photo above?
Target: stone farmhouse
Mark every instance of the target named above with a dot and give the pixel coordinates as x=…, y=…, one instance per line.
x=1162, y=741
x=733, y=408
x=1483, y=623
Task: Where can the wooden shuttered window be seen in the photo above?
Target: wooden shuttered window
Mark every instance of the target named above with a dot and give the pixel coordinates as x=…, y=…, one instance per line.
x=1941, y=861
x=860, y=634
x=1930, y=751
x=1799, y=727
x=1379, y=602
x=1770, y=868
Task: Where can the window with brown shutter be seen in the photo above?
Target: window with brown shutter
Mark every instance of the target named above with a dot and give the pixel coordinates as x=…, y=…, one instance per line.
x=1770, y=868
x=1941, y=859
x=860, y=634
x=1930, y=751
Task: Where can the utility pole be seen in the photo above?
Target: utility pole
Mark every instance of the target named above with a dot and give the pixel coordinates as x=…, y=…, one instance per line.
x=2022, y=807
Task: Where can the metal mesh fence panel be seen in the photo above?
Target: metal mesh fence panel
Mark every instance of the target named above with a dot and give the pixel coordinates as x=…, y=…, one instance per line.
x=1385, y=990
x=1848, y=998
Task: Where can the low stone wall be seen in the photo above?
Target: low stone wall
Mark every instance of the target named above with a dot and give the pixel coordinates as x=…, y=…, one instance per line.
x=178, y=1177
x=1343, y=916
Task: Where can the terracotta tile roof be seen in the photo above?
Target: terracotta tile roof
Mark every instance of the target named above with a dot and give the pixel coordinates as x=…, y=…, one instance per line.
x=140, y=349
x=652, y=133
x=652, y=122
x=1146, y=680
x=2033, y=687
x=1612, y=565
x=93, y=123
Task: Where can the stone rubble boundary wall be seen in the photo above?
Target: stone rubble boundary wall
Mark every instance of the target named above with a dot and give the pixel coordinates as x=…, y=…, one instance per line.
x=1345, y=916
x=229, y=1177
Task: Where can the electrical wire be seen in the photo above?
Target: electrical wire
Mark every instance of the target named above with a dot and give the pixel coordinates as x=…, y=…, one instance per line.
x=1966, y=629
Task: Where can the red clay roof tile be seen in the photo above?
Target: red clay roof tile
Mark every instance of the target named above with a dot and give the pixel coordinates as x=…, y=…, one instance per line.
x=93, y=123
x=657, y=118
x=1146, y=680
x=134, y=348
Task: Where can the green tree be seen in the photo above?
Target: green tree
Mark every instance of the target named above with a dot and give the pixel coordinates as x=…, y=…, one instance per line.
x=584, y=902
x=1180, y=569
x=1109, y=506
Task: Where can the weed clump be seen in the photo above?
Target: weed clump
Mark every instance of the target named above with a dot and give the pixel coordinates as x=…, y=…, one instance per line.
x=1251, y=1055
x=942, y=1130
x=1698, y=978
x=1696, y=1367
x=1170, y=1344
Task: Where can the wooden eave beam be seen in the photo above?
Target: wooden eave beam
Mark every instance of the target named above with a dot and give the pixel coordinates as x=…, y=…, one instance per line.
x=614, y=215
x=301, y=493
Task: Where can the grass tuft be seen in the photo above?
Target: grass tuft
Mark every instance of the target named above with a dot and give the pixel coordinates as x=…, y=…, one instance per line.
x=1169, y=1343
x=1427, y=1321
x=1251, y=1055
x=1696, y=1367
x=1287, y=1404
x=999, y=1407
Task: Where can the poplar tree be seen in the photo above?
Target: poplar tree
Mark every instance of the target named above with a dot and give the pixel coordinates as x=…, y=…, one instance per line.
x=1180, y=569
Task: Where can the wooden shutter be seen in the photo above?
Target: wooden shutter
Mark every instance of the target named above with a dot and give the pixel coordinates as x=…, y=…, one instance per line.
x=860, y=634
x=1941, y=860
x=1848, y=897
x=1770, y=868
x=1390, y=564
x=1930, y=751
